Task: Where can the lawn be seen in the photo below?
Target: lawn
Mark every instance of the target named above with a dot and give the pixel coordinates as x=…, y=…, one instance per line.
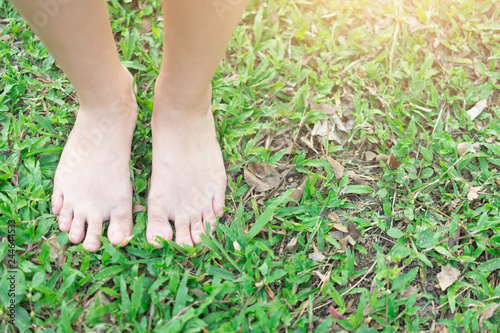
x=363, y=158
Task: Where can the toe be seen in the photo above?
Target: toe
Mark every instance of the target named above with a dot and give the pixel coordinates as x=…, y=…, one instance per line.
x=56, y=203
x=196, y=228
x=209, y=218
x=182, y=231
x=65, y=218
x=120, y=227
x=158, y=226
x=219, y=200
x=94, y=230
x=77, y=231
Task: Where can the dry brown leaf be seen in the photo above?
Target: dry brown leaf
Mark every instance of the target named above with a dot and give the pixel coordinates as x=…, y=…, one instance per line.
x=488, y=313
x=261, y=176
x=329, y=109
x=333, y=216
x=266, y=173
x=477, y=109
x=472, y=194
x=137, y=207
x=353, y=231
x=255, y=182
x=297, y=193
x=497, y=181
x=324, y=128
x=369, y=156
x=343, y=244
x=373, y=324
x=447, y=276
x=291, y=244
x=463, y=148
x=324, y=278
x=393, y=161
x=382, y=157
x=337, y=234
x=409, y=290
x=351, y=240
x=316, y=256
x=338, y=169
x=56, y=251
x=340, y=227
x=357, y=178
x=274, y=18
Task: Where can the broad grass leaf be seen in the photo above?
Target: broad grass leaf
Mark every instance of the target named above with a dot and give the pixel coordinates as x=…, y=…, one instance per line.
x=395, y=233
x=358, y=189
x=489, y=265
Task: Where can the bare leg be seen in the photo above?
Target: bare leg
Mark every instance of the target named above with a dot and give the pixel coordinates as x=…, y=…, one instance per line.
x=92, y=181
x=188, y=180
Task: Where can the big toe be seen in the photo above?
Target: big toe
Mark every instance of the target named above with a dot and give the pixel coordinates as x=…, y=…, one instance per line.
x=158, y=226
x=120, y=227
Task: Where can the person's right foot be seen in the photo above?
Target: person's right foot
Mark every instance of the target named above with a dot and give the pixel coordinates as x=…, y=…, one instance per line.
x=92, y=181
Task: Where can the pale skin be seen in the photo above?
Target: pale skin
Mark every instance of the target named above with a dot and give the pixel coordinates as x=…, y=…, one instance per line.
x=92, y=182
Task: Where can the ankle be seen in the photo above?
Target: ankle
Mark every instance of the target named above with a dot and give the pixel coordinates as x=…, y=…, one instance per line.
x=116, y=95
x=181, y=98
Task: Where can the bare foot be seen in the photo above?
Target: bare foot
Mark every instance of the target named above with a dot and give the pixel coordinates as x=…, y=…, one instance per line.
x=188, y=181
x=92, y=181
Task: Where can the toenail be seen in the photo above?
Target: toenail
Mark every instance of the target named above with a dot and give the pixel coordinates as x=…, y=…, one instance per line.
x=92, y=247
x=119, y=236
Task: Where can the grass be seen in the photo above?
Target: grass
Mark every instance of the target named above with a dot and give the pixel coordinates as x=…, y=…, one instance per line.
x=369, y=239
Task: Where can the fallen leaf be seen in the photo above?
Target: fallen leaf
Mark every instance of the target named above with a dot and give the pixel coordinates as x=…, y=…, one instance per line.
x=137, y=207
x=340, y=227
x=447, y=276
x=266, y=173
x=56, y=251
x=335, y=314
x=324, y=128
x=393, y=161
x=353, y=231
x=409, y=290
x=261, y=176
x=324, y=278
x=382, y=157
x=338, y=169
x=333, y=216
x=472, y=194
x=369, y=156
x=297, y=194
x=488, y=313
x=317, y=256
x=343, y=244
x=291, y=244
x=336, y=234
x=477, y=109
x=373, y=324
x=497, y=181
x=357, y=178
x=463, y=148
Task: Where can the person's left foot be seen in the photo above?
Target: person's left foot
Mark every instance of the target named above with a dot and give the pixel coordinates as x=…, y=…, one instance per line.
x=188, y=180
